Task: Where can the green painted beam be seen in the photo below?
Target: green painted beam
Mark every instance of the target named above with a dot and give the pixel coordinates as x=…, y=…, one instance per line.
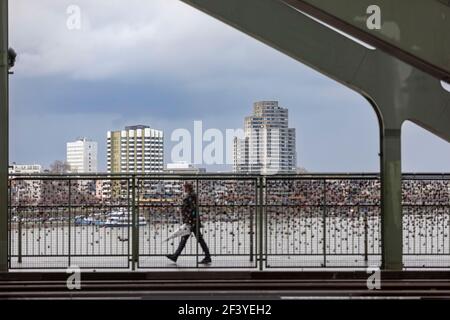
x=4, y=135
x=416, y=31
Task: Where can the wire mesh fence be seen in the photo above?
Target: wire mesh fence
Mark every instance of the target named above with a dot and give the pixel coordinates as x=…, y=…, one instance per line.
x=426, y=221
x=295, y=221
x=227, y=208
x=316, y=222
x=56, y=222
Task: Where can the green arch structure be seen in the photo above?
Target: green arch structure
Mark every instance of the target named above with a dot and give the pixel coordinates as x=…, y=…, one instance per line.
x=401, y=78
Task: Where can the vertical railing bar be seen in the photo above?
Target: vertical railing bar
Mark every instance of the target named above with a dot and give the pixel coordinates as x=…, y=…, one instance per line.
x=413, y=214
x=133, y=221
x=137, y=187
x=54, y=235
x=441, y=234
x=75, y=239
x=19, y=259
x=163, y=216
x=447, y=209
x=130, y=230
x=435, y=235
x=69, y=223
x=10, y=222
x=254, y=230
x=263, y=225
x=197, y=224
x=448, y=227
x=19, y=232
x=251, y=223
x=423, y=250
x=32, y=214
x=258, y=224
x=325, y=212
x=366, y=236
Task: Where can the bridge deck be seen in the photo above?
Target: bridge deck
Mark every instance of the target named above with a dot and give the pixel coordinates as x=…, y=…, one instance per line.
x=212, y=285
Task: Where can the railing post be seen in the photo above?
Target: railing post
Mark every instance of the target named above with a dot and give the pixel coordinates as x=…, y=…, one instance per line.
x=19, y=238
x=262, y=229
x=448, y=228
x=4, y=128
x=69, y=224
x=134, y=225
x=252, y=235
x=197, y=222
x=366, y=237
x=9, y=221
x=325, y=213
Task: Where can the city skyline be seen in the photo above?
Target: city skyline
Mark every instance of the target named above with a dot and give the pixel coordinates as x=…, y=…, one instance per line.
x=146, y=143
x=119, y=70
x=102, y=165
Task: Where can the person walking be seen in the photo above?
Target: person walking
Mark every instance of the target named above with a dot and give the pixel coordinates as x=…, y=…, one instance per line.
x=189, y=216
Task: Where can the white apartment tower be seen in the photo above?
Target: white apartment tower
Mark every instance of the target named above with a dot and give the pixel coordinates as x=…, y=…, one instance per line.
x=268, y=145
x=137, y=149
x=82, y=156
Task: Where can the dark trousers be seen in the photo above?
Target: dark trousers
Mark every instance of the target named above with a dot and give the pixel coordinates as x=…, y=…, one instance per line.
x=200, y=240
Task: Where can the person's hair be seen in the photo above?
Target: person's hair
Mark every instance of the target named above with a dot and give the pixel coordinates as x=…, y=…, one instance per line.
x=189, y=186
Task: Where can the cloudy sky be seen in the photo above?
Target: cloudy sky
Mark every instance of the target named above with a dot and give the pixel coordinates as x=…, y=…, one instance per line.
x=164, y=64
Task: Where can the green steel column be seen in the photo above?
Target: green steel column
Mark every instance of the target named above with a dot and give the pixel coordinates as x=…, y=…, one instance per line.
x=391, y=200
x=4, y=135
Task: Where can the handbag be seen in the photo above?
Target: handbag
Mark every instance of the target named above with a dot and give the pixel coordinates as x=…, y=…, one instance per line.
x=183, y=230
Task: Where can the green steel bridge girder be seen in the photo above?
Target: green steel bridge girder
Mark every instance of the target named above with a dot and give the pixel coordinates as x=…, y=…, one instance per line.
x=397, y=90
x=415, y=30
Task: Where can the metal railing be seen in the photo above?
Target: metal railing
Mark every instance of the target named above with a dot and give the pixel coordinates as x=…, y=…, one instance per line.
x=227, y=207
x=426, y=221
x=248, y=221
x=59, y=221
x=314, y=222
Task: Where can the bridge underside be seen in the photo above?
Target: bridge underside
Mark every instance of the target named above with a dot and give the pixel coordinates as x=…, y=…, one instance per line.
x=407, y=30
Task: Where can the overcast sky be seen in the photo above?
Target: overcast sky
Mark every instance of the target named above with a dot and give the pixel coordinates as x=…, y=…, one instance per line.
x=164, y=64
